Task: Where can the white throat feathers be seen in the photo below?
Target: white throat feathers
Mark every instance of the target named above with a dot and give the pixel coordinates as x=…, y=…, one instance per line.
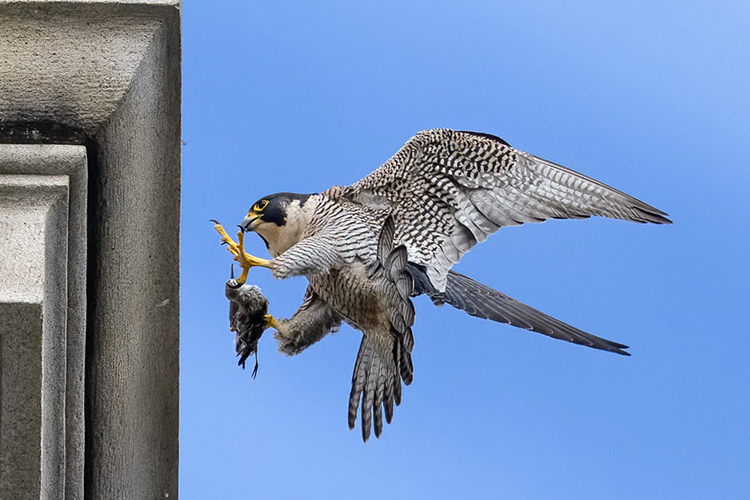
x=281, y=238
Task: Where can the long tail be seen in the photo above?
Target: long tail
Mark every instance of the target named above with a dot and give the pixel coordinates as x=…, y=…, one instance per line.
x=384, y=358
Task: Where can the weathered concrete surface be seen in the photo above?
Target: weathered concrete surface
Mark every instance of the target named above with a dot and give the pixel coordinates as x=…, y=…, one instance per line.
x=20, y=404
x=33, y=294
x=44, y=272
x=106, y=75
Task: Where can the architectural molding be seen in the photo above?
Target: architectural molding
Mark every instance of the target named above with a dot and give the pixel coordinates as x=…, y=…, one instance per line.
x=43, y=301
x=104, y=75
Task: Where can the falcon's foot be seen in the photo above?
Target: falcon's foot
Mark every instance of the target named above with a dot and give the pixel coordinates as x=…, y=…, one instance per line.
x=245, y=260
x=288, y=345
x=271, y=321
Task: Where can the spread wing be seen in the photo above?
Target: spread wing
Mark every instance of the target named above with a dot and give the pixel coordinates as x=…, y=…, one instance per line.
x=448, y=190
x=482, y=301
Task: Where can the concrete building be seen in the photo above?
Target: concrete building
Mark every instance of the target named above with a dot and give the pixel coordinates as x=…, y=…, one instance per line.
x=89, y=248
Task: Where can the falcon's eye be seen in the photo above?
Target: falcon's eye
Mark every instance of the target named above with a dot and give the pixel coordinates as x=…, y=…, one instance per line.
x=260, y=205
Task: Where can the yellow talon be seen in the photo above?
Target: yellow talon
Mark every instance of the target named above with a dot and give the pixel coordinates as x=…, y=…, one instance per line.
x=271, y=321
x=245, y=260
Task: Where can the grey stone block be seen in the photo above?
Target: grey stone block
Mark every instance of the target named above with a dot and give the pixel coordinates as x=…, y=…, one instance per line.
x=33, y=294
x=106, y=75
x=42, y=273
x=20, y=400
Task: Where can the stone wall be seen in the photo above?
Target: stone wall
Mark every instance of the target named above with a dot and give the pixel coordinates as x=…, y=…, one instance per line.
x=89, y=248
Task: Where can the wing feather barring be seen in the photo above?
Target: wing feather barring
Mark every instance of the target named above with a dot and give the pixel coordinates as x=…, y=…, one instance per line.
x=368, y=248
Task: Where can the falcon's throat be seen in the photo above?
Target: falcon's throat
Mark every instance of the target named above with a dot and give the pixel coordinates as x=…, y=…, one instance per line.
x=283, y=222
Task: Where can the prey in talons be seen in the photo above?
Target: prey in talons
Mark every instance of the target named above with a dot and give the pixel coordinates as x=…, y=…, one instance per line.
x=246, y=261
x=237, y=249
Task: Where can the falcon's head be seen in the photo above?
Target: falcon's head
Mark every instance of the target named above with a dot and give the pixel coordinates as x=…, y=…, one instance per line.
x=279, y=219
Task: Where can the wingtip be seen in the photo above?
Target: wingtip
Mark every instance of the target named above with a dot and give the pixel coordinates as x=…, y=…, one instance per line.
x=651, y=214
x=618, y=348
x=660, y=218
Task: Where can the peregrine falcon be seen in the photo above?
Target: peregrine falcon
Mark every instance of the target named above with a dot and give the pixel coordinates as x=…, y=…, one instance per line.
x=367, y=248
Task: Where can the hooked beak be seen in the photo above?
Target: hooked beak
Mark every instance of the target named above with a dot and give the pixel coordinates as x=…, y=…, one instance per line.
x=250, y=222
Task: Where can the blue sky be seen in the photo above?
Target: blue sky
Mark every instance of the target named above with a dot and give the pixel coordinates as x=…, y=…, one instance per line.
x=650, y=97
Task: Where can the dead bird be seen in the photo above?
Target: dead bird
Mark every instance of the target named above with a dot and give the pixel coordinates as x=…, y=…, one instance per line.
x=248, y=313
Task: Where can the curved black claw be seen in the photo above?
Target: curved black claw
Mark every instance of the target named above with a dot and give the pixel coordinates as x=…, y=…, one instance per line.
x=241, y=228
x=214, y=221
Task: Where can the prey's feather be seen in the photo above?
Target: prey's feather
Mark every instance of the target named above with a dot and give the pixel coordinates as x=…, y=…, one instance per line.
x=247, y=310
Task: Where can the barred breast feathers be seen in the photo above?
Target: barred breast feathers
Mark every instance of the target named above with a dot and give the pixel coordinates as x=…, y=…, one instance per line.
x=339, y=232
